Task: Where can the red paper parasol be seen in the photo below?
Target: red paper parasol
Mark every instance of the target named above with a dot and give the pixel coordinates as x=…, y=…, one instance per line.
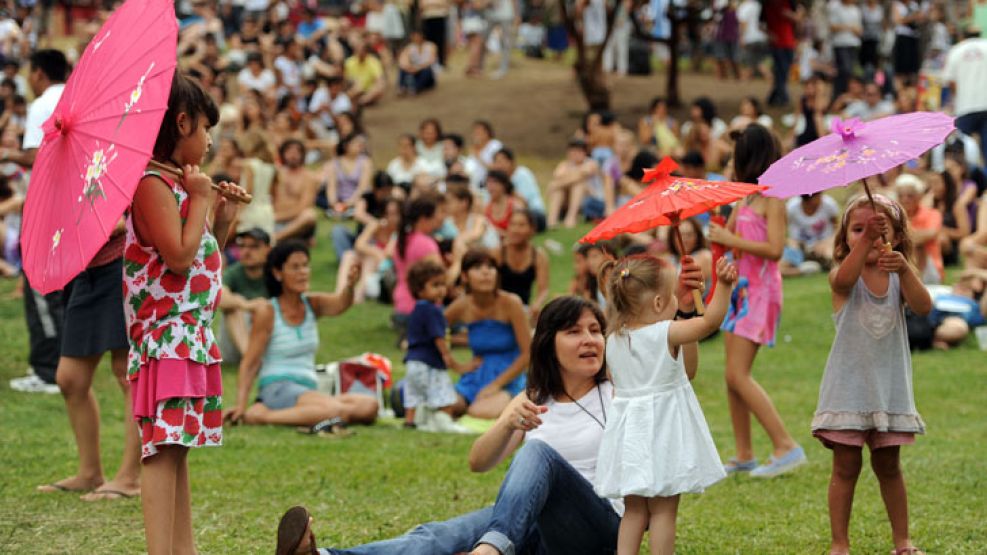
x=668, y=201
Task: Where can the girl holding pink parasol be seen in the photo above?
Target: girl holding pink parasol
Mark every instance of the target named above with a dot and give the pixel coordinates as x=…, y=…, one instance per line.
x=176, y=231
x=756, y=234
x=866, y=396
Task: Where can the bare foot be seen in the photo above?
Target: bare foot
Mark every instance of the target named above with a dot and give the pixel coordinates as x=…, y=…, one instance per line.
x=114, y=490
x=485, y=549
x=72, y=484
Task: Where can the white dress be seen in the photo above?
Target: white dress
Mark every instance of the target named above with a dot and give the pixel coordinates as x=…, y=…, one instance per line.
x=656, y=441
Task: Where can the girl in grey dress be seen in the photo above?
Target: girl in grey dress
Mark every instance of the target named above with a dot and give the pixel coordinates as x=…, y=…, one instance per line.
x=866, y=392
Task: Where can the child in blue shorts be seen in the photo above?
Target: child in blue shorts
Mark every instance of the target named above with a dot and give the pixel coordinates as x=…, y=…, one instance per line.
x=427, y=383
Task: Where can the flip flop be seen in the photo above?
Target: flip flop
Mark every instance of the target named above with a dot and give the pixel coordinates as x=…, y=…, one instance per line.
x=107, y=495
x=59, y=488
x=331, y=427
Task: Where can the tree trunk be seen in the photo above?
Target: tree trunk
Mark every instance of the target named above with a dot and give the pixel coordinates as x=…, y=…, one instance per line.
x=593, y=84
x=672, y=77
x=588, y=66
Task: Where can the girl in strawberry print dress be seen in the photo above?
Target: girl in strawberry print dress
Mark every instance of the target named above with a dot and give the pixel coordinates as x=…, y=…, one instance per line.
x=176, y=230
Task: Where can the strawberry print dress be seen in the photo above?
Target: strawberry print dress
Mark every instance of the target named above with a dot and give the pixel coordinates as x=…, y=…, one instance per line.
x=174, y=361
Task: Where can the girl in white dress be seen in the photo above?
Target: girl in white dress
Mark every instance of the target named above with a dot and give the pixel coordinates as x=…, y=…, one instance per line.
x=656, y=444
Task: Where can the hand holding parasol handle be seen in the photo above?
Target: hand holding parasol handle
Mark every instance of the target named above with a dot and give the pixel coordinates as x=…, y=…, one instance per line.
x=873, y=207
x=697, y=297
x=245, y=198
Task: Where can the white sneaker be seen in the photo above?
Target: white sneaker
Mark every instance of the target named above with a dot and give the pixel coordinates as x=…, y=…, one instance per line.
x=424, y=419
x=33, y=384
x=553, y=246
x=443, y=423
x=810, y=267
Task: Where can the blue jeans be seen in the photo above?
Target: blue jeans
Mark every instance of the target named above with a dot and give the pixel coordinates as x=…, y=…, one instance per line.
x=416, y=82
x=543, y=490
x=781, y=63
x=544, y=506
x=846, y=60
x=975, y=122
x=452, y=536
x=342, y=240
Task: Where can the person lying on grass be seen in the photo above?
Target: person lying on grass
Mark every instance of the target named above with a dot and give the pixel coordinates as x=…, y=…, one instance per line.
x=553, y=431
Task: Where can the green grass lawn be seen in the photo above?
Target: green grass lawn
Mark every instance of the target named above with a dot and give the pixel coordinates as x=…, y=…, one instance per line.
x=385, y=480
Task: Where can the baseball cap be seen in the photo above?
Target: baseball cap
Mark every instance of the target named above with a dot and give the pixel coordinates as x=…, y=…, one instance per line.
x=257, y=234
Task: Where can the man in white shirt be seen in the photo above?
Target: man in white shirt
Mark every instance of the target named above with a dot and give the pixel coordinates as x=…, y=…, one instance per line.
x=505, y=16
x=966, y=73
x=753, y=40
x=846, y=23
x=329, y=101
x=289, y=65
x=811, y=225
x=255, y=76
x=48, y=71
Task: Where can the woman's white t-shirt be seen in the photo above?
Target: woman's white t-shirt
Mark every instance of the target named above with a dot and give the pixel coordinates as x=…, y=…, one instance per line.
x=575, y=435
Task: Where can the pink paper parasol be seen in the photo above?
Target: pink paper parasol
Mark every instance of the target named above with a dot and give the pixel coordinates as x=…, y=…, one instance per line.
x=98, y=141
x=855, y=151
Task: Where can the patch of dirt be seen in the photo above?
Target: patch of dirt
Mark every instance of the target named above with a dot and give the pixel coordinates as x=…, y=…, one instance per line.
x=536, y=107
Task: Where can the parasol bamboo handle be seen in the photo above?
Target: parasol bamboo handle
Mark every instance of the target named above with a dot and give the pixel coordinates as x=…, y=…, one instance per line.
x=697, y=297
x=873, y=207
x=245, y=198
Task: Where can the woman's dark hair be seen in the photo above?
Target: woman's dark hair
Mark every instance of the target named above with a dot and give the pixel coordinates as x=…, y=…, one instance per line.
x=291, y=143
x=707, y=108
x=258, y=98
x=382, y=180
x=606, y=247
x=486, y=127
x=357, y=126
x=756, y=149
x=461, y=192
x=544, y=371
x=697, y=227
x=952, y=190
x=503, y=179
x=345, y=142
x=421, y=207
x=474, y=258
x=756, y=104
x=455, y=139
x=276, y=260
x=433, y=122
x=187, y=97
x=528, y=215
x=655, y=102
x=506, y=153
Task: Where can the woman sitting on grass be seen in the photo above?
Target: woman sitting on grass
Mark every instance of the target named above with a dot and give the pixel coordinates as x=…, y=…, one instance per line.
x=553, y=429
x=283, y=342
x=498, y=333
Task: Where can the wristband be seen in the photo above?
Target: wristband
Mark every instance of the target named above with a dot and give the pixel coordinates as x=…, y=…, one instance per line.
x=679, y=315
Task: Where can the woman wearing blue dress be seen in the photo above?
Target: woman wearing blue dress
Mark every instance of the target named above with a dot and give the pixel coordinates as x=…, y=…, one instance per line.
x=499, y=334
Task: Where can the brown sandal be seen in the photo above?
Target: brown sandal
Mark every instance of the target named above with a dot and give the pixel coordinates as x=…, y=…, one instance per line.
x=291, y=530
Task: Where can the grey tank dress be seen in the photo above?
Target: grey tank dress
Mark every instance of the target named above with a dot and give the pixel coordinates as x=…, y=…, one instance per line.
x=867, y=384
